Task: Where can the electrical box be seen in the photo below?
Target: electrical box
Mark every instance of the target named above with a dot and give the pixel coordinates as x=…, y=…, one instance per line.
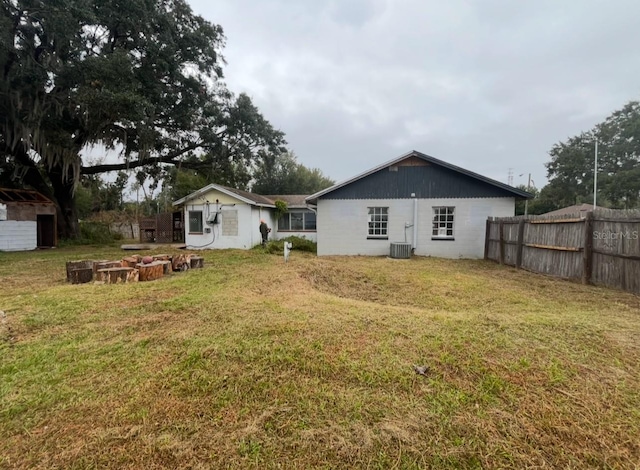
x=213, y=218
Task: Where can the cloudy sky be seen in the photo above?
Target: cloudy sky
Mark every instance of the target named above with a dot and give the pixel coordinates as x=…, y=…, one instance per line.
x=487, y=85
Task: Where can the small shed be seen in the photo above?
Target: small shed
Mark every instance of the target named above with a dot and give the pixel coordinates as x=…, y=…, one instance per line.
x=27, y=220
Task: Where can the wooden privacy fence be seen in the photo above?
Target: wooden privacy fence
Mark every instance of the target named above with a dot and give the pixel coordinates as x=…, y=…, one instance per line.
x=601, y=247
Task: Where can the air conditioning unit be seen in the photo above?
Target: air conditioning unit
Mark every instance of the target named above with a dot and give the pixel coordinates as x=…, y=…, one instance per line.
x=400, y=250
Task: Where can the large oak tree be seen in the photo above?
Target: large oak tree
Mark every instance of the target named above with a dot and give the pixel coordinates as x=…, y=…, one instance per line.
x=142, y=77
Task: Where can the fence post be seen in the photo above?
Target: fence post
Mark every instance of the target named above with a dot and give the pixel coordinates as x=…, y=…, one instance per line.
x=486, y=238
x=587, y=252
x=520, y=243
x=501, y=239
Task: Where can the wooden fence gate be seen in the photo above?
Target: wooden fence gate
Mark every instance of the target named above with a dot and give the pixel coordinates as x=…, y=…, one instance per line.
x=163, y=228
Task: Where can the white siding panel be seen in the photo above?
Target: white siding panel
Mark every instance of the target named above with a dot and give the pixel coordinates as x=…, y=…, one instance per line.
x=343, y=224
x=215, y=239
x=18, y=236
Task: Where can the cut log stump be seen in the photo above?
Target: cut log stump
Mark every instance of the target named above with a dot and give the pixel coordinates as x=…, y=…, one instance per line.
x=197, y=262
x=181, y=262
x=81, y=264
x=118, y=275
x=166, y=266
x=161, y=257
x=130, y=262
x=96, y=262
x=107, y=264
x=150, y=272
x=81, y=275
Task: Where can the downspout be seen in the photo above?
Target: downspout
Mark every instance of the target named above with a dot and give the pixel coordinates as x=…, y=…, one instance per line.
x=415, y=224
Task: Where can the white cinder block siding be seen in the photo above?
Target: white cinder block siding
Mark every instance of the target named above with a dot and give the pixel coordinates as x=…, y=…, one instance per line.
x=18, y=235
x=342, y=226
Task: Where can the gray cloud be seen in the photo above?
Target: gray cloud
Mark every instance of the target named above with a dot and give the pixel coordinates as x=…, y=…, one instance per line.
x=488, y=85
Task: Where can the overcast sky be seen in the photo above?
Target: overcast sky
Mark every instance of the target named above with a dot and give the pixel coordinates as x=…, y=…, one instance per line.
x=487, y=85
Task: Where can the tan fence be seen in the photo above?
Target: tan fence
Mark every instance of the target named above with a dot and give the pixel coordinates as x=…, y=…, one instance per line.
x=601, y=247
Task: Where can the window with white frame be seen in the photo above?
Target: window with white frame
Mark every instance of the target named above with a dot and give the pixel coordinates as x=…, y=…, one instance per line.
x=378, y=222
x=443, y=223
x=297, y=221
x=195, y=221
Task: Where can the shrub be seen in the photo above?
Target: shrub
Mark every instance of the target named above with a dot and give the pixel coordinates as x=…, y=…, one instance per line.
x=299, y=243
x=93, y=233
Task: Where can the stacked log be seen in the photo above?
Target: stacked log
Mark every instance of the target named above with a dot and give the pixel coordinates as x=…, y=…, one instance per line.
x=197, y=262
x=150, y=272
x=118, y=275
x=162, y=257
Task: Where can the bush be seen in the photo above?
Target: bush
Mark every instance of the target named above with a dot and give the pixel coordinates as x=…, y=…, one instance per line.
x=93, y=233
x=299, y=243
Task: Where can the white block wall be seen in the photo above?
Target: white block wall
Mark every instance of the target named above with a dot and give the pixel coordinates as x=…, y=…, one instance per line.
x=248, y=228
x=342, y=226
x=18, y=236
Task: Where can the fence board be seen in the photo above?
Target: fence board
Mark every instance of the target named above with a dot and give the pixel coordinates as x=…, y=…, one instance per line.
x=603, y=248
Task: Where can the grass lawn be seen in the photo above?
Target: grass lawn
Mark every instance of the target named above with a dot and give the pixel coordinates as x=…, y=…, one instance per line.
x=251, y=363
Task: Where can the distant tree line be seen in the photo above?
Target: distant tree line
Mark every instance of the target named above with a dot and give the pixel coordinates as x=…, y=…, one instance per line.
x=571, y=168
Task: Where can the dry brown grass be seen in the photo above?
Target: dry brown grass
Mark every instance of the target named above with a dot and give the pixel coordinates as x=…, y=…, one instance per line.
x=251, y=363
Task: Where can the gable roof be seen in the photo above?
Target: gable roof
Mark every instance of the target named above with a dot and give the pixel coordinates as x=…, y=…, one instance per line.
x=510, y=189
x=292, y=200
x=244, y=196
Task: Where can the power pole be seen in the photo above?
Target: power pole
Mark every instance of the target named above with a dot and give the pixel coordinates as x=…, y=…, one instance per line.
x=526, y=201
x=595, y=176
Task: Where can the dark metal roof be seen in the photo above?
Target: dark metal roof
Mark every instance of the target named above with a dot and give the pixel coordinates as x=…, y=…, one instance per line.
x=22, y=196
x=416, y=174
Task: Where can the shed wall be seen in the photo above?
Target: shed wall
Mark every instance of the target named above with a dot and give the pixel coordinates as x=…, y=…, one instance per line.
x=18, y=235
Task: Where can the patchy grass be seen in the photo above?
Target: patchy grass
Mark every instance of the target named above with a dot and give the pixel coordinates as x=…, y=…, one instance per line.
x=251, y=363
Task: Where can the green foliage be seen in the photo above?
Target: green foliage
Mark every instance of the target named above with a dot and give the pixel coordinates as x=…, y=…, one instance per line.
x=299, y=243
x=142, y=75
x=281, y=208
x=282, y=174
x=571, y=169
x=93, y=233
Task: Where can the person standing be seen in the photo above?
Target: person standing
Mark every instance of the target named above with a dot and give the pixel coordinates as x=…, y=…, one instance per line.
x=264, y=231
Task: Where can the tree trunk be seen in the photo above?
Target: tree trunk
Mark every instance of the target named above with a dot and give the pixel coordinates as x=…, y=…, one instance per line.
x=63, y=190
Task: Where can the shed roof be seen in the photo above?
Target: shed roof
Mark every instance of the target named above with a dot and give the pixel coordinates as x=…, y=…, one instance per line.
x=22, y=196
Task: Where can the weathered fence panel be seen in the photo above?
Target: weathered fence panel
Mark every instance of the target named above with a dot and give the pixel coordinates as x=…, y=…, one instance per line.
x=602, y=247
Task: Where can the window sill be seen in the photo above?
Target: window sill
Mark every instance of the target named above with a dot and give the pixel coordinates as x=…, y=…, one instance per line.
x=196, y=233
x=443, y=239
x=377, y=238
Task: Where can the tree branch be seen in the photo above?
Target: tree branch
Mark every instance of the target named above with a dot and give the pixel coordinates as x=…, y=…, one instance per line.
x=169, y=158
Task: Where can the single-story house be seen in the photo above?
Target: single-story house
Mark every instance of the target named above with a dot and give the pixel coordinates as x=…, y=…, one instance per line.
x=437, y=207
x=217, y=216
x=27, y=220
